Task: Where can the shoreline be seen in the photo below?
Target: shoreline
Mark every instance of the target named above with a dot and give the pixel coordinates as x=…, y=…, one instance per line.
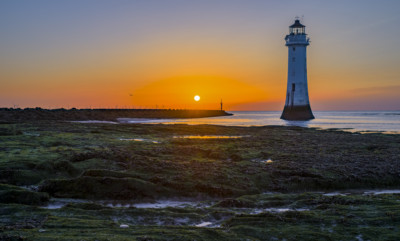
x=366, y=123
x=156, y=121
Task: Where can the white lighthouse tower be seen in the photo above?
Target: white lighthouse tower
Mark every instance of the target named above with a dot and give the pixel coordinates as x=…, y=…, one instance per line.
x=297, y=105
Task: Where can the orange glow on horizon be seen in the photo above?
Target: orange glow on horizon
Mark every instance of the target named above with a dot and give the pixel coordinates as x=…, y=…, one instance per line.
x=175, y=92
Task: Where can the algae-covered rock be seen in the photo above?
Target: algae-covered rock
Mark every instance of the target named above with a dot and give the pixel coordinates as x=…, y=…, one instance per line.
x=10, y=237
x=86, y=206
x=233, y=203
x=14, y=194
x=10, y=131
x=106, y=173
x=103, y=188
x=62, y=166
x=20, y=177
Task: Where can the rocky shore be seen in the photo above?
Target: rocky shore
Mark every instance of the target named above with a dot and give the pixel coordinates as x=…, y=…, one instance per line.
x=74, y=181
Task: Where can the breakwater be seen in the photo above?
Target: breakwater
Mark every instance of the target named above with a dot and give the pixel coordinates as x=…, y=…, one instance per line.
x=12, y=115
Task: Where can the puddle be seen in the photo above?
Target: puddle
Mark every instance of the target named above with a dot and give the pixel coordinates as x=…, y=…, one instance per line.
x=277, y=210
x=182, y=221
x=164, y=204
x=379, y=192
x=330, y=194
x=267, y=161
x=139, y=140
x=31, y=134
x=116, y=205
x=203, y=224
x=141, y=120
x=95, y=122
x=208, y=137
x=31, y=187
x=362, y=192
x=57, y=203
x=54, y=206
x=359, y=237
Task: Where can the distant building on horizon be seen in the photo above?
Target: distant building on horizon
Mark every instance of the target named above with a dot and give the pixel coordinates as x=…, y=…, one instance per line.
x=297, y=104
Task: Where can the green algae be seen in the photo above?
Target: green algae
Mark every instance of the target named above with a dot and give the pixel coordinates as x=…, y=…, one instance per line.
x=89, y=161
x=322, y=218
x=15, y=194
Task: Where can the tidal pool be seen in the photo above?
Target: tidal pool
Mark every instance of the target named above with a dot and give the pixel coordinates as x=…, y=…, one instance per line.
x=138, y=140
x=170, y=203
x=56, y=203
x=379, y=192
x=207, y=137
x=96, y=122
x=277, y=210
x=363, y=192
x=203, y=224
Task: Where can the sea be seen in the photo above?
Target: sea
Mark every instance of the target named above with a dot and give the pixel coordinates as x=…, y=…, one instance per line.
x=353, y=121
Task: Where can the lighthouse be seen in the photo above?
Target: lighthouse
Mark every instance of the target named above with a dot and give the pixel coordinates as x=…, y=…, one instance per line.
x=297, y=104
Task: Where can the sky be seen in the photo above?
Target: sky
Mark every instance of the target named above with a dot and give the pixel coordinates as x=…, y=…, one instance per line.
x=161, y=53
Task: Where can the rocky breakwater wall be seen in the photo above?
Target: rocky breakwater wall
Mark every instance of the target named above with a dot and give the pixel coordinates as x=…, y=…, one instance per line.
x=29, y=114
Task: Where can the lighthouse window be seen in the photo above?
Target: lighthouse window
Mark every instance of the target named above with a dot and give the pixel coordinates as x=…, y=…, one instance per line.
x=293, y=59
x=294, y=48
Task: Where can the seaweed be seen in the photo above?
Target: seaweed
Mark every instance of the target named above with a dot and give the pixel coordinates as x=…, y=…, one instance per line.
x=263, y=186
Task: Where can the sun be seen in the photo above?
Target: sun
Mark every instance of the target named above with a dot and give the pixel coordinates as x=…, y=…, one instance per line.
x=196, y=98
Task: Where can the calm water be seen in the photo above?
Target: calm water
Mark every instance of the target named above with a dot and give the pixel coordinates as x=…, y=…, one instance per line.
x=364, y=121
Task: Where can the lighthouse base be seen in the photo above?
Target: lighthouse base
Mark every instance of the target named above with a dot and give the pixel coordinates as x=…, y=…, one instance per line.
x=300, y=112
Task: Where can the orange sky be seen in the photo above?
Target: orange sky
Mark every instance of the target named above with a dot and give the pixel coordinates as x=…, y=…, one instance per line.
x=148, y=54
